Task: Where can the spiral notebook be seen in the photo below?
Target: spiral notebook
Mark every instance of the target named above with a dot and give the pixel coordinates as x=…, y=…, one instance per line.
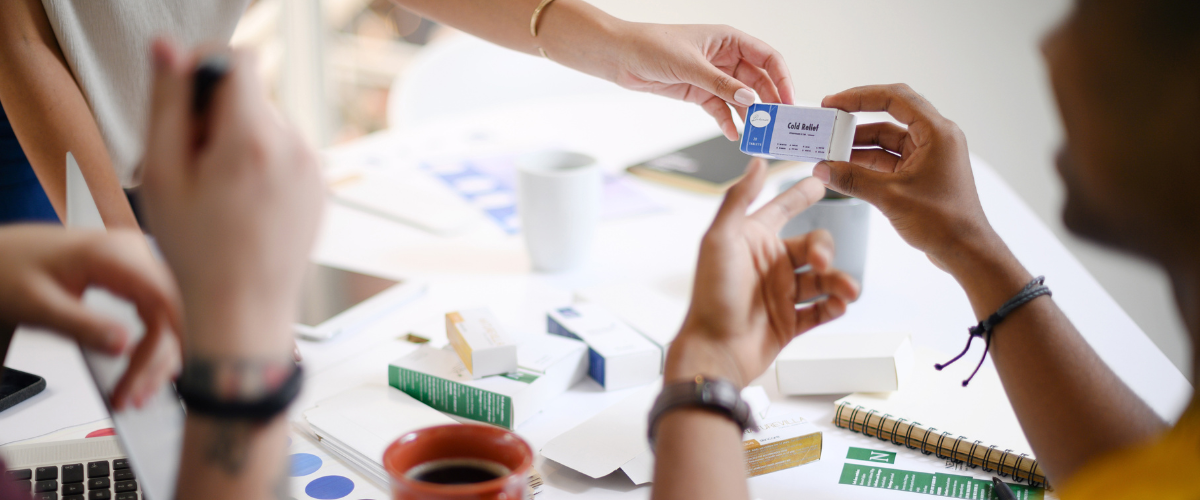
x=937, y=415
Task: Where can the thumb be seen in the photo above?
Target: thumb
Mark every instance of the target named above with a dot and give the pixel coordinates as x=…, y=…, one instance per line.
x=722, y=85
x=850, y=179
x=66, y=314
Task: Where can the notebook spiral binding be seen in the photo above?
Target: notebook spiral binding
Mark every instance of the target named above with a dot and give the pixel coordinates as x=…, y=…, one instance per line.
x=945, y=445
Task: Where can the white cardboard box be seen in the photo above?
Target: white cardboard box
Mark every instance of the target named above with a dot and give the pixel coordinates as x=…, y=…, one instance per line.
x=830, y=364
x=618, y=356
x=480, y=342
x=549, y=365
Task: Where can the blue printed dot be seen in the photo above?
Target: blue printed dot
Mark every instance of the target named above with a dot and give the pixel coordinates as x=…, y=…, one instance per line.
x=304, y=464
x=329, y=487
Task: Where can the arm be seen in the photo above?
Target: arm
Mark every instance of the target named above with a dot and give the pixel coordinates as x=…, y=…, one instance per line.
x=233, y=199
x=920, y=178
x=50, y=115
x=707, y=65
x=743, y=312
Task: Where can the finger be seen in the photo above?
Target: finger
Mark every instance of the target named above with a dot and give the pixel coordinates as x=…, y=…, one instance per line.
x=742, y=194
x=898, y=100
x=789, y=204
x=875, y=159
x=710, y=78
x=813, y=284
x=850, y=179
x=238, y=108
x=886, y=135
x=64, y=312
x=719, y=110
x=762, y=55
x=758, y=79
x=151, y=364
x=169, y=131
x=122, y=264
x=821, y=312
x=814, y=249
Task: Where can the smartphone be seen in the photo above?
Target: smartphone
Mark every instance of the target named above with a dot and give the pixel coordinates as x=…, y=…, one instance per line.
x=334, y=301
x=17, y=386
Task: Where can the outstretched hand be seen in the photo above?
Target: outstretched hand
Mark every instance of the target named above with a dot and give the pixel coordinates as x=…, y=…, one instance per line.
x=744, y=302
x=708, y=65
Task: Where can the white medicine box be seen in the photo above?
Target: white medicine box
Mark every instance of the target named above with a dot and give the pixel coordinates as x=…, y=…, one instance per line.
x=618, y=356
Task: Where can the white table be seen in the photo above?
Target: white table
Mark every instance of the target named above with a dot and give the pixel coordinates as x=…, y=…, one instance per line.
x=482, y=266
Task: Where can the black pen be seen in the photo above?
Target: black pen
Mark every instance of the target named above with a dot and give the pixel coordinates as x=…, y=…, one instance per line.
x=208, y=73
x=1002, y=490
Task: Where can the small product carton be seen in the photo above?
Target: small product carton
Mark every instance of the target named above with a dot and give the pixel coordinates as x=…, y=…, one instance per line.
x=548, y=366
x=781, y=443
x=480, y=342
x=618, y=356
x=837, y=363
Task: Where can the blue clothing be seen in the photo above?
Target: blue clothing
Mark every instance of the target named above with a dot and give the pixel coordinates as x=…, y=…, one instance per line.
x=22, y=198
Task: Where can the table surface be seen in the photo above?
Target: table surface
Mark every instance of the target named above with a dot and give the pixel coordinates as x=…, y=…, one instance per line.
x=902, y=290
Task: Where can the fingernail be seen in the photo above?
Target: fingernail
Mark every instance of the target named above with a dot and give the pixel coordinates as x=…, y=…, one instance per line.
x=744, y=96
x=821, y=172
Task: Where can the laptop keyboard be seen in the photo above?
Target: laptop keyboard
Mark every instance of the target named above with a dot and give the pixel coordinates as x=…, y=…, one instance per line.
x=96, y=480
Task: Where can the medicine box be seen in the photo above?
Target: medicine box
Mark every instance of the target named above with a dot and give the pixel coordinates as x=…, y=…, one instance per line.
x=837, y=363
x=798, y=133
x=480, y=342
x=548, y=366
x=618, y=356
x=781, y=443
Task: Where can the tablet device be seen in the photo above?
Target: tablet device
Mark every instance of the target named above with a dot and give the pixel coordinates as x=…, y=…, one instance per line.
x=334, y=301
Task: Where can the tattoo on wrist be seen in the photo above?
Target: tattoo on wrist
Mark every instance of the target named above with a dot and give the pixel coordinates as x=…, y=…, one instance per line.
x=229, y=445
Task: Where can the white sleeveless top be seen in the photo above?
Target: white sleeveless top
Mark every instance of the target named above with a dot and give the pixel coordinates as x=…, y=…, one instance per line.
x=107, y=47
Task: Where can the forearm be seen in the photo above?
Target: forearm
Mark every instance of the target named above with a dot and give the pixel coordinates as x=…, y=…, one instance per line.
x=572, y=32
x=1064, y=395
x=50, y=116
x=699, y=455
x=233, y=459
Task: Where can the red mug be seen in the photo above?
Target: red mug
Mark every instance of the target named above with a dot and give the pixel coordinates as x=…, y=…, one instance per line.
x=483, y=443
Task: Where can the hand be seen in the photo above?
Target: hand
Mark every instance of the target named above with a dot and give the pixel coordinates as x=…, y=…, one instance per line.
x=743, y=309
x=703, y=64
x=919, y=176
x=234, y=200
x=44, y=272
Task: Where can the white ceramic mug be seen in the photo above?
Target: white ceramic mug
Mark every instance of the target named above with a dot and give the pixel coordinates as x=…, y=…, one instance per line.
x=846, y=218
x=558, y=199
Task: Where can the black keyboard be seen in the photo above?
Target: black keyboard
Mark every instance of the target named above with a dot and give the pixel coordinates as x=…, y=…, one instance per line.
x=74, y=469
x=94, y=480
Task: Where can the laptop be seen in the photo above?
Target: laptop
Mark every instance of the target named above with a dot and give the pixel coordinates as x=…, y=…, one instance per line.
x=143, y=458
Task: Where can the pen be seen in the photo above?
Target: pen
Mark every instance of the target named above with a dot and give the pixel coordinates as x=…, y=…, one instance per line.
x=210, y=71
x=1001, y=490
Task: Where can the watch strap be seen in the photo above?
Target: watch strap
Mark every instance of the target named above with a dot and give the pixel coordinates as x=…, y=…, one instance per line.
x=250, y=391
x=712, y=394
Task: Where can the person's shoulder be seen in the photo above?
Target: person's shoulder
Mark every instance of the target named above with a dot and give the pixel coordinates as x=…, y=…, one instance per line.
x=1163, y=469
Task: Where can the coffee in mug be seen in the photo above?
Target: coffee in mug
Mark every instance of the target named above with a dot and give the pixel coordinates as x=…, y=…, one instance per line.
x=457, y=471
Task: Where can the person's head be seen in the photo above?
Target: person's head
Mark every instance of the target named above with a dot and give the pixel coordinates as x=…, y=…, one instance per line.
x=1126, y=74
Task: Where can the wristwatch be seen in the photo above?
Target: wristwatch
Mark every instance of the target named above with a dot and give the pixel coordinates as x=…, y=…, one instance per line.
x=239, y=389
x=712, y=394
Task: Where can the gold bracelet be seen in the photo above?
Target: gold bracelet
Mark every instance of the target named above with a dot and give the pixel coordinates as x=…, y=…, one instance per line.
x=533, y=21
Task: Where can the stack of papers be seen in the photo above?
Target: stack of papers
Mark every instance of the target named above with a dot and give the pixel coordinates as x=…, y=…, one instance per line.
x=359, y=424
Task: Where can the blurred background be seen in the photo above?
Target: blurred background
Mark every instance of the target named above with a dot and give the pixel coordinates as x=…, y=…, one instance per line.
x=331, y=65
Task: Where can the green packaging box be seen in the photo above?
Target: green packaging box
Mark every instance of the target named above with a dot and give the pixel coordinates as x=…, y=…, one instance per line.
x=546, y=367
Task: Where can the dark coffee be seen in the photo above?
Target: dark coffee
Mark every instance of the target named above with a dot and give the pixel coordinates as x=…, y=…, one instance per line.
x=457, y=471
